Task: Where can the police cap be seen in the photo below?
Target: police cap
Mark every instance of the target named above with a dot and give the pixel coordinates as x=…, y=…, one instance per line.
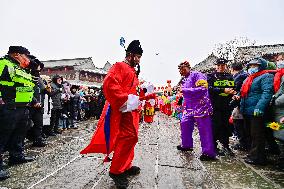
x=18, y=49
x=221, y=61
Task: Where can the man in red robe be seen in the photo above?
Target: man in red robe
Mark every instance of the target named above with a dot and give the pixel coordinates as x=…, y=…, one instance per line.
x=121, y=113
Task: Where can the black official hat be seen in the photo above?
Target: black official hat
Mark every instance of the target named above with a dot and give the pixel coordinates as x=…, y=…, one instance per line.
x=18, y=49
x=135, y=47
x=221, y=61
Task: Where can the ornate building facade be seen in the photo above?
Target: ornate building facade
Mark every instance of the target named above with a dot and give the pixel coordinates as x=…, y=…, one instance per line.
x=78, y=71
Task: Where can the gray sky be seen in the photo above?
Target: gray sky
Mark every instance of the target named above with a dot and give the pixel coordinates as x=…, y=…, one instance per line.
x=177, y=30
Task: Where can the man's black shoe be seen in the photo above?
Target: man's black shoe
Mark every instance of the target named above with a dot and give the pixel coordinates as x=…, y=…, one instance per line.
x=228, y=152
x=20, y=160
x=184, y=149
x=255, y=161
x=44, y=135
x=205, y=157
x=120, y=180
x=58, y=132
x=51, y=134
x=39, y=143
x=220, y=152
x=134, y=170
x=240, y=147
x=4, y=174
x=273, y=151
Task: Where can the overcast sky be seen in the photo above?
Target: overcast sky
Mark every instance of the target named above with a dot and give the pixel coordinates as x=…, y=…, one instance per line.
x=176, y=29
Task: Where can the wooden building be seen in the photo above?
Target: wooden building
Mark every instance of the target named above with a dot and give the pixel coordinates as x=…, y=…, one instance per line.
x=78, y=71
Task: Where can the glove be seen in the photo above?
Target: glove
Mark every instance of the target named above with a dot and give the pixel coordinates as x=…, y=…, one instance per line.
x=257, y=112
x=281, y=120
x=131, y=104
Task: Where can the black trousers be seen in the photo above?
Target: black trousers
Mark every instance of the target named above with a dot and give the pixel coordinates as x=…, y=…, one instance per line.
x=54, y=120
x=257, y=136
x=242, y=133
x=13, y=130
x=221, y=129
x=36, y=116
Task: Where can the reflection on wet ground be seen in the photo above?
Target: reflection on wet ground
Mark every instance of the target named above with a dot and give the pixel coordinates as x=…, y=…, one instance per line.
x=59, y=165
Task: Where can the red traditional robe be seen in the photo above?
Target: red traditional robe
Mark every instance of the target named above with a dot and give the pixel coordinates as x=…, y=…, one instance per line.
x=120, y=81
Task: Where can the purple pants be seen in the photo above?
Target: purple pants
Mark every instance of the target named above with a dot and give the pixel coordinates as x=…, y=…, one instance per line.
x=205, y=133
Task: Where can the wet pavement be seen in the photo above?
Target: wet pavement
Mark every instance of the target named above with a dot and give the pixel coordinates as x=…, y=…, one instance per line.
x=59, y=165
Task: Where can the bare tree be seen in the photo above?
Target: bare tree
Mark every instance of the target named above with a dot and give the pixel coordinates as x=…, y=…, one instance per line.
x=228, y=50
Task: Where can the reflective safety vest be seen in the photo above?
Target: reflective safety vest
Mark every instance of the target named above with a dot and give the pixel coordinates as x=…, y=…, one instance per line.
x=20, y=79
x=224, y=84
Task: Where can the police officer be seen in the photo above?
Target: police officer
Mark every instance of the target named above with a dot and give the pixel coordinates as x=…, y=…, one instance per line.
x=16, y=88
x=221, y=90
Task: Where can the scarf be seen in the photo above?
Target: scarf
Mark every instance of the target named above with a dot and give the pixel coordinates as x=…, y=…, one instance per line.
x=277, y=79
x=246, y=86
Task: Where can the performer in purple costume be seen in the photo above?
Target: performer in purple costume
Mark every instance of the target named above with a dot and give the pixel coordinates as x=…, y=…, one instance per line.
x=197, y=109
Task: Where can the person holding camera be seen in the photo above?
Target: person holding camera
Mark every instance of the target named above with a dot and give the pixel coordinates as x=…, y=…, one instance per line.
x=37, y=104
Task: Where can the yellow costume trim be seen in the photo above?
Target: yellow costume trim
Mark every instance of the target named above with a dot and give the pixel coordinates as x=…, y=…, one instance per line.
x=201, y=82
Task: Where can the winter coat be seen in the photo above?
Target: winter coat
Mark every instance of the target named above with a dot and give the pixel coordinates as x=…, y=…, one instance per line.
x=279, y=102
x=260, y=93
x=196, y=97
x=75, y=103
x=55, y=94
x=39, y=93
x=239, y=79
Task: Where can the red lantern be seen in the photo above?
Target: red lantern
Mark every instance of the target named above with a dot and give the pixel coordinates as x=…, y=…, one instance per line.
x=169, y=81
x=158, y=88
x=162, y=88
x=154, y=88
x=166, y=87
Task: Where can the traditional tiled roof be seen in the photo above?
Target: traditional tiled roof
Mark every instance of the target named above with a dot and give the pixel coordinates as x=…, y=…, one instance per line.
x=77, y=63
x=243, y=54
x=207, y=64
x=247, y=53
x=107, y=66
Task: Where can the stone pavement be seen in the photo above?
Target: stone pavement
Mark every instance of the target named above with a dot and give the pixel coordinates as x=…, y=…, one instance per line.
x=59, y=165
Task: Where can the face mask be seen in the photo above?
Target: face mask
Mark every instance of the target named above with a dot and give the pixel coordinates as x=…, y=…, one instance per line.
x=280, y=64
x=25, y=63
x=252, y=70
